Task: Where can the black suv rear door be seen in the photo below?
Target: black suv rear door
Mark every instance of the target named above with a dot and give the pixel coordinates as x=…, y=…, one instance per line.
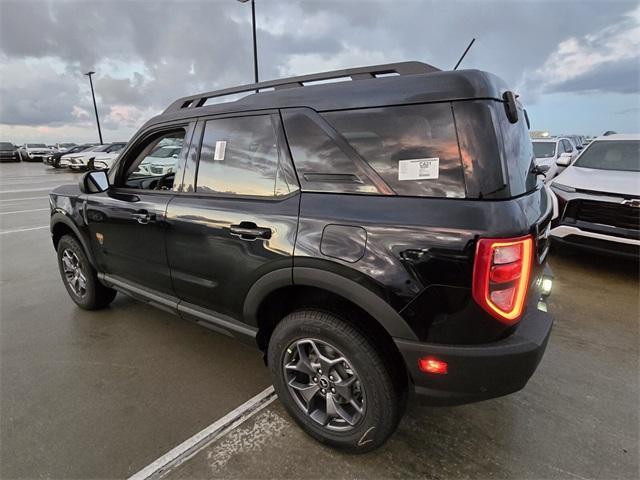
x=237, y=216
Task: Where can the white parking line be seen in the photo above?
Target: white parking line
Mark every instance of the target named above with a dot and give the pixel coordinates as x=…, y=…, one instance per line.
x=200, y=440
x=23, y=230
x=24, y=211
x=21, y=199
x=30, y=190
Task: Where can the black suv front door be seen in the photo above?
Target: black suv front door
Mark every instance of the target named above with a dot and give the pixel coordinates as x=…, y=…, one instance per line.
x=238, y=217
x=127, y=223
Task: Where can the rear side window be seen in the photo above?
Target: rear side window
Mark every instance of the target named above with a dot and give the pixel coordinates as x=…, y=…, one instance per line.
x=240, y=156
x=413, y=148
x=322, y=165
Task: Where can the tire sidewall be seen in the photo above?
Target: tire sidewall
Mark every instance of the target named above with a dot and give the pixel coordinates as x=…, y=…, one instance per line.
x=380, y=411
x=68, y=243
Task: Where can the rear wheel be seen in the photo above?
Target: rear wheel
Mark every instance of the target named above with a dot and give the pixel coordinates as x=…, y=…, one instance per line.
x=334, y=381
x=80, y=278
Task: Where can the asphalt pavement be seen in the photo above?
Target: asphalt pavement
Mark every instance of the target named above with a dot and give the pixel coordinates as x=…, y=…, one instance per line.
x=103, y=394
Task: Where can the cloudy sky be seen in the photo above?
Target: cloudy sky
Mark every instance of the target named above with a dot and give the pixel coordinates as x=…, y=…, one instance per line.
x=575, y=64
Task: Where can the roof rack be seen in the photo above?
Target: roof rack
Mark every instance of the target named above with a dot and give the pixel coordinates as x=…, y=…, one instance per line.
x=360, y=73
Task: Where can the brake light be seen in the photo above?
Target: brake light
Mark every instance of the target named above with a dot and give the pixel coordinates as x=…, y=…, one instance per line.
x=501, y=273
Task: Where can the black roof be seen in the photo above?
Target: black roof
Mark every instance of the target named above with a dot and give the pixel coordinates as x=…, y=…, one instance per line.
x=412, y=82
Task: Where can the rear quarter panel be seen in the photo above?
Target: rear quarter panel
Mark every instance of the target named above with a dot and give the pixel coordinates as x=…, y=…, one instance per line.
x=418, y=253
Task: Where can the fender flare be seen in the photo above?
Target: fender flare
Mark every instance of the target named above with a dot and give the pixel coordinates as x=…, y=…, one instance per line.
x=378, y=308
x=58, y=218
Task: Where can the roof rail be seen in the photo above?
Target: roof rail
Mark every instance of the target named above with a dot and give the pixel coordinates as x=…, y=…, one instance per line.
x=360, y=73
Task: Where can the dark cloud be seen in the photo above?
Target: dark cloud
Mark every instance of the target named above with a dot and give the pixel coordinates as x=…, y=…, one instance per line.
x=147, y=53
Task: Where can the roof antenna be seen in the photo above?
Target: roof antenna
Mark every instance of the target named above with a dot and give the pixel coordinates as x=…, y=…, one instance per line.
x=465, y=53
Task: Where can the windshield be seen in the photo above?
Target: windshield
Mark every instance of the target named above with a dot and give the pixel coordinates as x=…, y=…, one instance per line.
x=623, y=155
x=6, y=146
x=36, y=145
x=544, y=149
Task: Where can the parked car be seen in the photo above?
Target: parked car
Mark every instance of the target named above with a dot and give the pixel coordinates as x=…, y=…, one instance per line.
x=162, y=160
x=548, y=151
x=366, y=242
x=597, y=198
x=34, y=152
x=64, y=147
x=9, y=152
x=54, y=158
x=85, y=159
x=104, y=160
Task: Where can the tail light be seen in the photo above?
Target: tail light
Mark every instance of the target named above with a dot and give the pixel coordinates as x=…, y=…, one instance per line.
x=501, y=274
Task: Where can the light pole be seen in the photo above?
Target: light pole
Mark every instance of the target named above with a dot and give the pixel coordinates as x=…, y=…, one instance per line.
x=95, y=107
x=255, y=44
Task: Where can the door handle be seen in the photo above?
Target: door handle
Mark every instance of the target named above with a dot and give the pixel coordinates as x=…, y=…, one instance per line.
x=250, y=231
x=143, y=217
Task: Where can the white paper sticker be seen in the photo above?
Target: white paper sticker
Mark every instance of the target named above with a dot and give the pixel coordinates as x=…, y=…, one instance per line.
x=221, y=147
x=419, y=169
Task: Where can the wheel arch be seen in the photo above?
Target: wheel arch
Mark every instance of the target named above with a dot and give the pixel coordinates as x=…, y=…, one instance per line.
x=61, y=225
x=282, y=291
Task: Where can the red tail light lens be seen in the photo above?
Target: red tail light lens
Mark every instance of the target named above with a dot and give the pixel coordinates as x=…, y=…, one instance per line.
x=501, y=275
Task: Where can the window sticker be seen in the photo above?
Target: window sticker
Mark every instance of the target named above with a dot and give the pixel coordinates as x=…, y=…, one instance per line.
x=221, y=147
x=419, y=169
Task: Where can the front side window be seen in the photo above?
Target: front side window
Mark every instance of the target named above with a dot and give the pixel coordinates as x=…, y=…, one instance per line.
x=414, y=148
x=240, y=156
x=623, y=155
x=152, y=169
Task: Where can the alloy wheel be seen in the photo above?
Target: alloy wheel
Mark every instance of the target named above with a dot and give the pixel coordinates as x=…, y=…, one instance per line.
x=324, y=384
x=73, y=273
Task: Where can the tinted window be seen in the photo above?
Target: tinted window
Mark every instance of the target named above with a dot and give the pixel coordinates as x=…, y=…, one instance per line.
x=413, y=148
x=544, y=149
x=611, y=155
x=151, y=172
x=36, y=145
x=517, y=152
x=321, y=164
x=239, y=156
x=6, y=146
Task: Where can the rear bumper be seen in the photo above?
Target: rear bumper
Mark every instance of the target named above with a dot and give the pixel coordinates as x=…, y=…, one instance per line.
x=480, y=372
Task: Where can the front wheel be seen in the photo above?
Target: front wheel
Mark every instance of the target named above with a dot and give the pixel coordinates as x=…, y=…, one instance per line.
x=334, y=381
x=80, y=278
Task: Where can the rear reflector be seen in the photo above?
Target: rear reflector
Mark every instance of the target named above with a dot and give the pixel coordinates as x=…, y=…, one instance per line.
x=433, y=365
x=501, y=274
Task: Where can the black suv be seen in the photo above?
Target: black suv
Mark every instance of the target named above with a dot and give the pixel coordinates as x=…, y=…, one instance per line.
x=374, y=237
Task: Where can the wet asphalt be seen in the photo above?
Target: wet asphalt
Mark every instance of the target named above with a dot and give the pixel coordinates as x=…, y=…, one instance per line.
x=102, y=394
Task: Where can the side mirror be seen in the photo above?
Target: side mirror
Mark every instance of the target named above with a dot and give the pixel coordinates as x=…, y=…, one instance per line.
x=96, y=181
x=564, y=159
x=174, y=155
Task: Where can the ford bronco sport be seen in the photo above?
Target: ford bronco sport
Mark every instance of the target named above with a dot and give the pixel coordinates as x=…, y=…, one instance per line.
x=374, y=237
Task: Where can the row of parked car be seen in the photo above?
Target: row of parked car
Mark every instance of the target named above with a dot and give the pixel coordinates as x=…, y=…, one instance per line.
x=91, y=156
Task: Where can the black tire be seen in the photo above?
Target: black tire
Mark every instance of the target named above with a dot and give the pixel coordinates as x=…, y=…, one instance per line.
x=382, y=401
x=94, y=295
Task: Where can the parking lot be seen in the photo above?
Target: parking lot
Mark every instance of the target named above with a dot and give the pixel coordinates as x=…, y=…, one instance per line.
x=103, y=394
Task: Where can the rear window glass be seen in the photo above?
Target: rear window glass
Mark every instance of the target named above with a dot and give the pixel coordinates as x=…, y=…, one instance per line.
x=623, y=155
x=414, y=148
x=517, y=151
